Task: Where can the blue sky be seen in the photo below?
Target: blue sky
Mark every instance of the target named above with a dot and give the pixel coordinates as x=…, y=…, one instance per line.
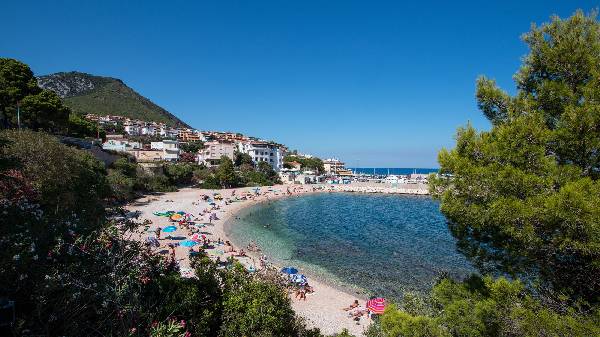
x=374, y=83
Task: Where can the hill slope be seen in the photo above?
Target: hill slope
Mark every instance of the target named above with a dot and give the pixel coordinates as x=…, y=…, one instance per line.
x=85, y=93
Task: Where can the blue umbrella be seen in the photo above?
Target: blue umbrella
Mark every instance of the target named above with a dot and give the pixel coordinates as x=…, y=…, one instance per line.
x=289, y=270
x=188, y=243
x=169, y=229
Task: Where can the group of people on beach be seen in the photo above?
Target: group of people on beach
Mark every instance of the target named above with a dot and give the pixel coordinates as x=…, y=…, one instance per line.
x=356, y=312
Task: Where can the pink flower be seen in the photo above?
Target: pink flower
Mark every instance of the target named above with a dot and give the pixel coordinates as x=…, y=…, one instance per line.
x=188, y=334
x=132, y=330
x=182, y=323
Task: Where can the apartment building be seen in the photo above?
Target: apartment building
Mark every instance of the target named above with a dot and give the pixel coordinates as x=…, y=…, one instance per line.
x=212, y=152
x=263, y=151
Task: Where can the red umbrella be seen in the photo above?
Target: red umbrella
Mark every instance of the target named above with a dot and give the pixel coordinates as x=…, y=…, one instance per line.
x=376, y=305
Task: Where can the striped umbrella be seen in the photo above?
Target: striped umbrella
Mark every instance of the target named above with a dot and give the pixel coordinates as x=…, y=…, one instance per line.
x=376, y=305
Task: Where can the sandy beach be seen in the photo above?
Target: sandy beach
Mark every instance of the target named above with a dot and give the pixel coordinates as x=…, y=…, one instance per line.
x=322, y=309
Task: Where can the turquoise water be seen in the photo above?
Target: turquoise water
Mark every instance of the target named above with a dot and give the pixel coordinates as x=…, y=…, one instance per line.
x=381, y=244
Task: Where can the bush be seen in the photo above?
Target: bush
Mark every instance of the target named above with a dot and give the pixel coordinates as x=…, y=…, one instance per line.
x=486, y=307
x=180, y=174
x=68, y=180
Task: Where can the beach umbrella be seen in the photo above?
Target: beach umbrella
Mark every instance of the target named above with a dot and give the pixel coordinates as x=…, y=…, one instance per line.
x=376, y=305
x=289, y=270
x=188, y=243
x=176, y=216
x=299, y=278
x=169, y=229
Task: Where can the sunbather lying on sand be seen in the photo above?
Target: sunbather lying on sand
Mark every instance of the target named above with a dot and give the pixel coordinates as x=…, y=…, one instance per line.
x=352, y=306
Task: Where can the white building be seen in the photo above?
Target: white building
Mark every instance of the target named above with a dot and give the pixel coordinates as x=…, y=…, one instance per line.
x=131, y=129
x=394, y=179
x=212, y=152
x=170, y=149
x=263, y=151
x=333, y=165
x=148, y=130
x=121, y=145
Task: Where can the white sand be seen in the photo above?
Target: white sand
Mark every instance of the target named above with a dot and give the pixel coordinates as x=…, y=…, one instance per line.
x=322, y=309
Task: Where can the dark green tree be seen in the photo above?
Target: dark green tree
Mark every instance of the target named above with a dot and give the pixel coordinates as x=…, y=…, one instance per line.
x=16, y=82
x=81, y=128
x=524, y=197
x=45, y=111
x=482, y=307
x=266, y=169
x=243, y=158
x=191, y=147
x=226, y=173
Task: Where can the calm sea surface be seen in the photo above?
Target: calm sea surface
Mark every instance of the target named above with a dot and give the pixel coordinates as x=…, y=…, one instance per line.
x=392, y=170
x=381, y=244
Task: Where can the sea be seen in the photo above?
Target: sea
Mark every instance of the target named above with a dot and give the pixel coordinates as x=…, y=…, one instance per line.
x=374, y=244
x=392, y=170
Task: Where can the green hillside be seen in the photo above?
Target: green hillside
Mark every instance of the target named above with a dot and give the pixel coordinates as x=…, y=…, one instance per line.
x=85, y=93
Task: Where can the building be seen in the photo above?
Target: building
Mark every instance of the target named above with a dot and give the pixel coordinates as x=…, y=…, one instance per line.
x=212, y=152
x=170, y=149
x=288, y=176
x=147, y=130
x=119, y=143
x=295, y=165
x=307, y=177
x=394, y=179
x=333, y=166
x=191, y=136
x=131, y=129
x=263, y=151
x=147, y=155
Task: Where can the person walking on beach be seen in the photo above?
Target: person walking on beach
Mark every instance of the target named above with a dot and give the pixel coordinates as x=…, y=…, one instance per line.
x=157, y=232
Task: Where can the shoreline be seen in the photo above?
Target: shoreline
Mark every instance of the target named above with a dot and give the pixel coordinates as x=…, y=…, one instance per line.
x=322, y=309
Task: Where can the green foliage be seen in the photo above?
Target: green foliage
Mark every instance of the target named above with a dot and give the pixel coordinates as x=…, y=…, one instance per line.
x=313, y=163
x=191, y=147
x=171, y=328
x=180, y=174
x=524, y=197
x=226, y=174
x=255, y=308
x=109, y=96
x=255, y=178
x=39, y=109
x=16, y=82
x=82, y=128
x=44, y=111
x=267, y=170
x=485, y=307
x=68, y=180
x=243, y=159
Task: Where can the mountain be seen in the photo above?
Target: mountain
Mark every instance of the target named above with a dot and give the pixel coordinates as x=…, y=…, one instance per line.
x=85, y=93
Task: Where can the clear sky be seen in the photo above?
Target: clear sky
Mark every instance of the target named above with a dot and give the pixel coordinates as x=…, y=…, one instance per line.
x=375, y=83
